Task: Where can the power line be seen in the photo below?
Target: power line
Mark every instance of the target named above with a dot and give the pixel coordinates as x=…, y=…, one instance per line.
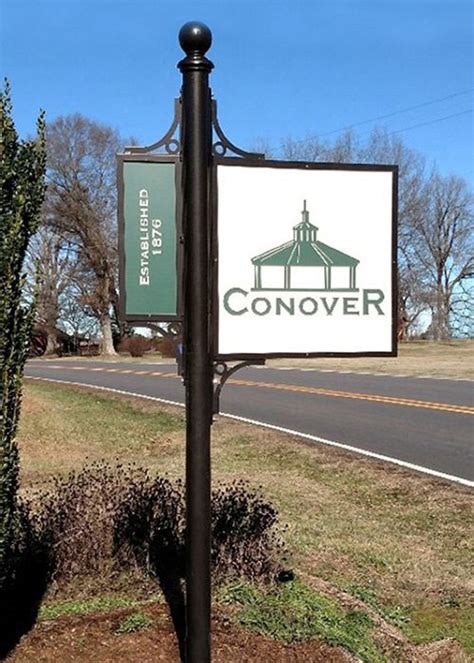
x=403, y=110
x=424, y=124
x=414, y=126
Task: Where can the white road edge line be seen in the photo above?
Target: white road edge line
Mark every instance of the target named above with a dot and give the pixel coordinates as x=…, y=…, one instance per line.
x=280, y=429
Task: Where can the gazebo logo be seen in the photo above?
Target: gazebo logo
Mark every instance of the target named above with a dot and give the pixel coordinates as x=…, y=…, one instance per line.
x=305, y=263
x=286, y=276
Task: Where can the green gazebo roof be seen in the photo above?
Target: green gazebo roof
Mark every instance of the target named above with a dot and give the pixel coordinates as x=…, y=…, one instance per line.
x=305, y=250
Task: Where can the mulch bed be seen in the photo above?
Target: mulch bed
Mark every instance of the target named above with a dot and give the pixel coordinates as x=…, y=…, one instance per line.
x=93, y=638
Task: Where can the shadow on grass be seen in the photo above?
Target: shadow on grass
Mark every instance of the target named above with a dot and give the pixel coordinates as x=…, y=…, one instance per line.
x=149, y=529
x=20, y=599
x=167, y=565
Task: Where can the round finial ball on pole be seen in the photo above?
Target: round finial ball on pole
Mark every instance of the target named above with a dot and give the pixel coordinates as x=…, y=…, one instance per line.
x=195, y=37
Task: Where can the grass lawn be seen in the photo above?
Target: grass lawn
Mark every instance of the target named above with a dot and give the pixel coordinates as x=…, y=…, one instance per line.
x=438, y=359
x=398, y=542
x=454, y=358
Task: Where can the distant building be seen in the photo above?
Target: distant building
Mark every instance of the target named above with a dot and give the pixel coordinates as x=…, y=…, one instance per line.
x=67, y=344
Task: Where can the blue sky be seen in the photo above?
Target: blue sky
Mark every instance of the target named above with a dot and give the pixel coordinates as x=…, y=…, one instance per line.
x=282, y=67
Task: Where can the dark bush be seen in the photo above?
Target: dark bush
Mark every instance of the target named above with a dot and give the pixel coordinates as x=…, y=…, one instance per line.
x=78, y=515
x=166, y=346
x=135, y=345
x=244, y=541
x=104, y=519
x=149, y=526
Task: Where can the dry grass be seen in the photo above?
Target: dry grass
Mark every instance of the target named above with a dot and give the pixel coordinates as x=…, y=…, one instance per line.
x=398, y=540
x=438, y=359
x=61, y=431
x=356, y=522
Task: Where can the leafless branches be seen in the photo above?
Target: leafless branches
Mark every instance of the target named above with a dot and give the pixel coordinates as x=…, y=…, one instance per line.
x=81, y=209
x=435, y=241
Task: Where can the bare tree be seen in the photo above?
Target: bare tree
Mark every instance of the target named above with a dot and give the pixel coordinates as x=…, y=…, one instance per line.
x=443, y=246
x=462, y=309
x=310, y=148
x=384, y=148
x=346, y=148
x=76, y=319
x=412, y=301
x=81, y=207
x=54, y=261
x=263, y=146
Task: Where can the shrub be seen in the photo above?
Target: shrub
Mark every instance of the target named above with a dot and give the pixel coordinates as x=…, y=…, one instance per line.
x=22, y=167
x=149, y=527
x=244, y=541
x=166, y=346
x=135, y=345
x=78, y=516
x=102, y=519
x=243, y=538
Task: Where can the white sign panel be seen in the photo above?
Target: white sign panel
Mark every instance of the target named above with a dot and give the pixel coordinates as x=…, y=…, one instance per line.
x=306, y=259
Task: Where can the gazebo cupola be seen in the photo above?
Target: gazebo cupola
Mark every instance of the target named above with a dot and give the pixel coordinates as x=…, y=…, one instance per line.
x=305, y=231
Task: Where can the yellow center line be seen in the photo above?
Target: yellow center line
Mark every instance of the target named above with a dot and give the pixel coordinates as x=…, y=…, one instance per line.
x=431, y=405
x=318, y=391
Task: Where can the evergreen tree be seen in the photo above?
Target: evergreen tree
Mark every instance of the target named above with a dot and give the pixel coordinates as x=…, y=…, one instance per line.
x=22, y=169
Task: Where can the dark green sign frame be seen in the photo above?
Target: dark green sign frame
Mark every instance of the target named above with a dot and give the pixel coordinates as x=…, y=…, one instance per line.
x=149, y=215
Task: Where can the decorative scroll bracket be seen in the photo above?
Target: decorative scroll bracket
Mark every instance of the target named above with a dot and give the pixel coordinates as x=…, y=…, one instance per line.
x=222, y=373
x=221, y=146
x=171, y=145
x=170, y=142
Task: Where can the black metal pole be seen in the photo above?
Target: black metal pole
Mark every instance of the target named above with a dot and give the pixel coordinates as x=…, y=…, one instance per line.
x=195, y=39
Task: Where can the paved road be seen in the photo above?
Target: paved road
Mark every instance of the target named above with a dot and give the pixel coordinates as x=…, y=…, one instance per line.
x=424, y=422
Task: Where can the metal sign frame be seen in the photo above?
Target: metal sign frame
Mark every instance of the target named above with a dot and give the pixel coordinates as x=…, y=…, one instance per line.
x=197, y=158
x=141, y=155
x=255, y=162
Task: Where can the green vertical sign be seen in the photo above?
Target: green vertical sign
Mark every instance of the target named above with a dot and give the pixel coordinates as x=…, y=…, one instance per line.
x=149, y=240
